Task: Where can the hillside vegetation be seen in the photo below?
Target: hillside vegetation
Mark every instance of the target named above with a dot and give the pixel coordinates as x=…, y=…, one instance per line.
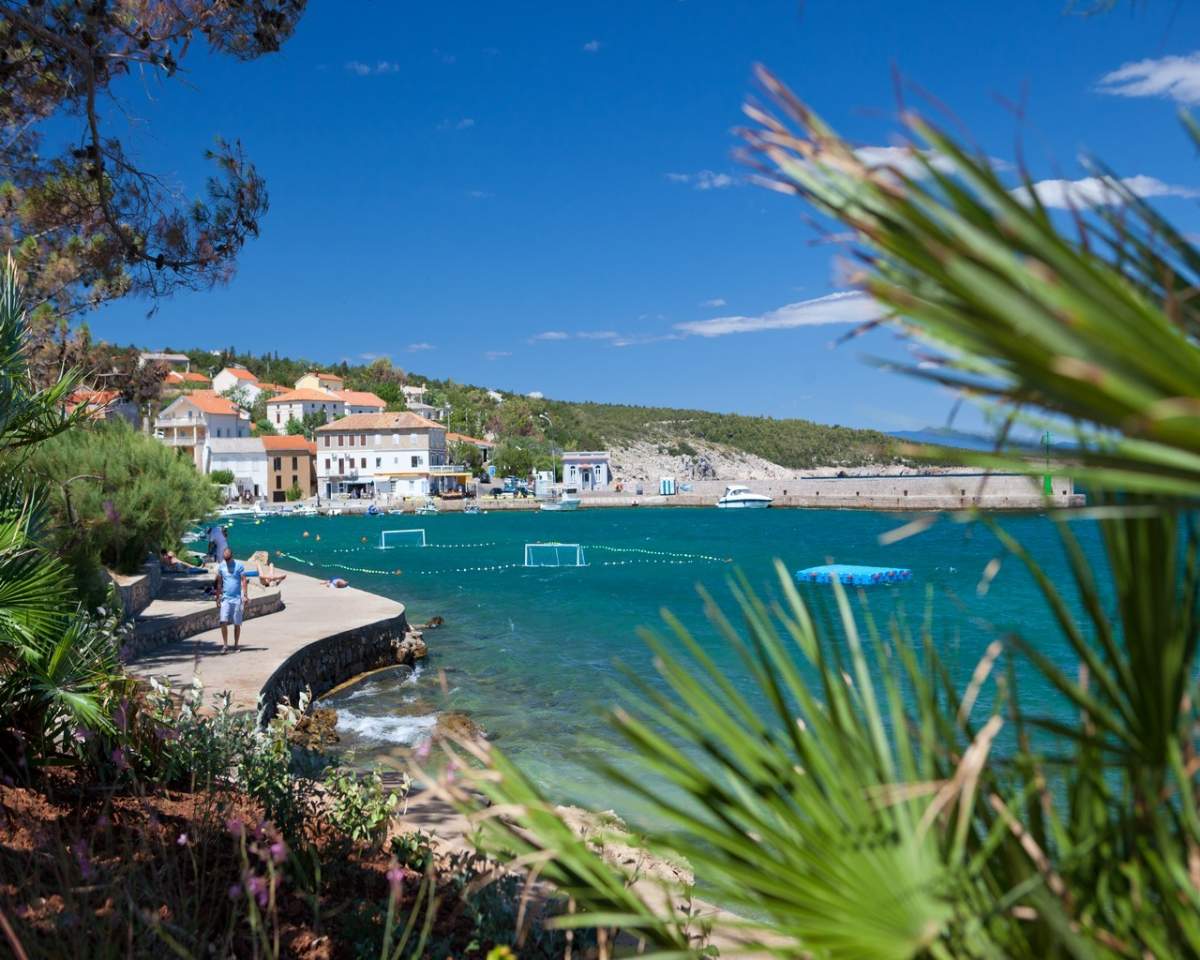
x=534, y=428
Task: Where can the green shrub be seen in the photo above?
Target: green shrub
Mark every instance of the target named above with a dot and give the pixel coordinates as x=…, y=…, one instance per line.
x=293, y=494
x=221, y=477
x=358, y=805
x=117, y=496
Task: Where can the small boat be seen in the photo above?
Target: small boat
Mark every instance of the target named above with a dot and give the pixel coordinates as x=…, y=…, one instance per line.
x=471, y=507
x=563, y=502
x=374, y=511
x=236, y=510
x=428, y=508
x=738, y=497
x=333, y=512
x=396, y=512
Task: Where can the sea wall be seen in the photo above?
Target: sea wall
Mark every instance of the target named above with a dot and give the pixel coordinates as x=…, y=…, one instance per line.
x=943, y=491
x=325, y=663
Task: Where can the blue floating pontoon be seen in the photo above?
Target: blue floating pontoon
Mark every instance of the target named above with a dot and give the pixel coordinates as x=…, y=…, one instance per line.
x=853, y=576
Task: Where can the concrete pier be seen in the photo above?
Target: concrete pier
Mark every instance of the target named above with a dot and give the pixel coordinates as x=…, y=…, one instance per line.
x=319, y=637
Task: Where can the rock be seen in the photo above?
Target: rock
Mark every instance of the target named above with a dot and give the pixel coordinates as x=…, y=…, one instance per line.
x=411, y=649
x=456, y=725
x=315, y=729
x=432, y=623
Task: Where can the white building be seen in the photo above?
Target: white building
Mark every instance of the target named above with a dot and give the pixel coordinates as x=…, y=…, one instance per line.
x=244, y=457
x=176, y=361
x=413, y=393
x=294, y=404
x=232, y=377
x=188, y=421
x=384, y=454
x=585, y=470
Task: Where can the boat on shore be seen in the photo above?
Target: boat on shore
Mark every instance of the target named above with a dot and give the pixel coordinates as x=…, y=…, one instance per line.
x=563, y=502
x=740, y=497
x=428, y=508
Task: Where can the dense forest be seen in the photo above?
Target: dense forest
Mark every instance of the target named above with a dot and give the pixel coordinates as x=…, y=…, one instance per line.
x=533, y=428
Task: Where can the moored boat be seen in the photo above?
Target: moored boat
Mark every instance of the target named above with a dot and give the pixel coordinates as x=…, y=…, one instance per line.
x=740, y=497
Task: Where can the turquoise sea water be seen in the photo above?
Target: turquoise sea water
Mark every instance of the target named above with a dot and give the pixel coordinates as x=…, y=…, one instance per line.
x=529, y=653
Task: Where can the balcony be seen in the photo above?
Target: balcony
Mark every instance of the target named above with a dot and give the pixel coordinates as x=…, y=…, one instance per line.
x=182, y=440
x=443, y=469
x=177, y=422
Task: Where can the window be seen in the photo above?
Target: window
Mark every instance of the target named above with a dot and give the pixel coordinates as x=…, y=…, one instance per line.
x=218, y=431
x=327, y=462
x=341, y=439
x=351, y=439
x=362, y=438
x=378, y=462
x=279, y=481
x=416, y=461
x=277, y=420
x=295, y=480
x=364, y=463
x=295, y=463
x=279, y=463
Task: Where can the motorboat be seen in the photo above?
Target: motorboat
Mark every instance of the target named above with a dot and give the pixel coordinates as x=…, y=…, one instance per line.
x=428, y=508
x=308, y=510
x=738, y=497
x=239, y=510
x=564, y=502
x=472, y=507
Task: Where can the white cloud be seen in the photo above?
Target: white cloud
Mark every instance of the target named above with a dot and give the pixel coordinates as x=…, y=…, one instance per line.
x=703, y=179
x=592, y=46
x=479, y=194
x=904, y=160
x=550, y=335
x=843, y=307
x=714, y=302
x=1098, y=191
x=419, y=347
x=1176, y=78
x=361, y=69
x=498, y=354
x=466, y=123
x=598, y=335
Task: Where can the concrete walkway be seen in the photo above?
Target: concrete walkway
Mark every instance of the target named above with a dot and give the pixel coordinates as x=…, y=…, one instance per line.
x=310, y=613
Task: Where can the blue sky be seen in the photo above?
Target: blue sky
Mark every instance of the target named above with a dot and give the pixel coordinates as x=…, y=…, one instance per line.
x=541, y=196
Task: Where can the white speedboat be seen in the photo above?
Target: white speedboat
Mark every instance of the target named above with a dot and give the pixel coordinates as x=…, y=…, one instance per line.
x=738, y=497
x=306, y=511
x=237, y=510
x=428, y=508
x=471, y=508
x=564, y=502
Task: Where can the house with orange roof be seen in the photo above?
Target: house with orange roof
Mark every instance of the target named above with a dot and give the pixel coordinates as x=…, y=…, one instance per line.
x=290, y=465
x=296, y=404
x=315, y=380
x=391, y=455
x=241, y=380
x=361, y=401
x=483, y=446
x=186, y=379
x=192, y=418
x=103, y=405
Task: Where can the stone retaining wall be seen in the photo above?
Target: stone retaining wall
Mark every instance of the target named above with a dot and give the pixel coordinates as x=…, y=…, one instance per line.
x=322, y=665
x=139, y=590
x=154, y=632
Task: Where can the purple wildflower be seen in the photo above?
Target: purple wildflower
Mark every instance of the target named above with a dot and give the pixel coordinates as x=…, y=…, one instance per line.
x=395, y=879
x=256, y=886
x=82, y=858
x=235, y=827
x=182, y=840
x=235, y=891
x=118, y=758
x=279, y=851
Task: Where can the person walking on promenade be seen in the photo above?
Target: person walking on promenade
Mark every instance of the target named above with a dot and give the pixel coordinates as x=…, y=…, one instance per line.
x=232, y=588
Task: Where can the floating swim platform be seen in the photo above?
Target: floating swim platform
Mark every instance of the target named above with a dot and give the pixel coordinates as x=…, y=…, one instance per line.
x=853, y=576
